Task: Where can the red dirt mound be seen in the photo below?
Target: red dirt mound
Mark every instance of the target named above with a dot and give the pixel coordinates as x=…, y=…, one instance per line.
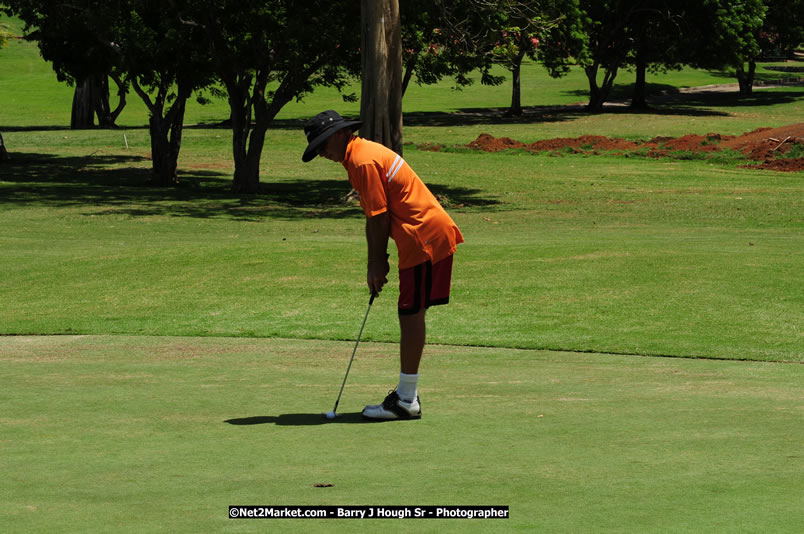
x=488, y=143
x=764, y=145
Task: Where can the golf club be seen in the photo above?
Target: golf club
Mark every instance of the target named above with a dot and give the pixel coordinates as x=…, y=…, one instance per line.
x=331, y=415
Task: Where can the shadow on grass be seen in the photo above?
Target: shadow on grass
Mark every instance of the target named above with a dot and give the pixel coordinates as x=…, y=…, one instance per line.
x=668, y=100
x=67, y=128
x=758, y=98
x=300, y=419
x=118, y=185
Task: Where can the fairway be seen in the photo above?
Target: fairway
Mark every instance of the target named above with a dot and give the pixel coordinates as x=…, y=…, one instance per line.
x=143, y=434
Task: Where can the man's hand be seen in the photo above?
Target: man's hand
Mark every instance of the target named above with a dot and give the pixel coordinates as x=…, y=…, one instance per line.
x=376, y=276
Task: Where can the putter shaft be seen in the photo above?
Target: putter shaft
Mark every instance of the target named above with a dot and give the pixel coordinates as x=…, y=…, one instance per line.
x=371, y=301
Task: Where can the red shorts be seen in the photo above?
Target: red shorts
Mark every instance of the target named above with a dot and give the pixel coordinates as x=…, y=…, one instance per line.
x=424, y=285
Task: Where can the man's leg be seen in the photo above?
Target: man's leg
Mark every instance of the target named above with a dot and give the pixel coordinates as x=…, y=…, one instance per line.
x=419, y=287
x=403, y=402
x=411, y=346
x=411, y=343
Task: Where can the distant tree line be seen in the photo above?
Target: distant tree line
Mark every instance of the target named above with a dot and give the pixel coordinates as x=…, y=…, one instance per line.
x=261, y=54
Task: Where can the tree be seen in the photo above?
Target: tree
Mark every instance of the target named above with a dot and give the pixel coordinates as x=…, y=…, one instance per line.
x=783, y=27
x=657, y=44
x=736, y=34
x=165, y=58
x=148, y=42
x=420, y=33
x=726, y=34
x=267, y=53
x=521, y=26
x=73, y=36
x=457, y=37
x=381, y=89
x=605, y=45
x=606, y=35
x=440, y=39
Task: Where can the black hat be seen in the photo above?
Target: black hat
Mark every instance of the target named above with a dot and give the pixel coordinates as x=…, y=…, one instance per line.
x=319, y=128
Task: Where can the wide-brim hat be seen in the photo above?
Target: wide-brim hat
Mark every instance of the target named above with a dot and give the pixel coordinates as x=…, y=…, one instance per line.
x=319, y=128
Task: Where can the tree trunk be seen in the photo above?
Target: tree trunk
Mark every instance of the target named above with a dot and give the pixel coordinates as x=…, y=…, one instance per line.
x=410, y=66
x=595, y=98
x=240, y=117
x=101, y=104
x=247, y=143
x=165, y=130
x=247, y=176
x=83, y=110
x=746, y=79
x=248, y=140
x=103, y=109
x=516, y=93
x=166, y=143
x=381, y=58
x=638, y=99
x=91, y=98
x=598, y=94
x=122, y=91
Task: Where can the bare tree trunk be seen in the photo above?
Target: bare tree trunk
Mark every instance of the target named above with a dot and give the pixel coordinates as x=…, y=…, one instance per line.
x=381, y=57
x=638, y=99
x=82, y=115
x=166, y=132
x=410, y=66
x=91, y=99
x=166, y=144
x=746, y=78
x=240, y=106
x=122, y=91
x=246, y=100
x=103, y=108
x=598, y=94
x=516, y=93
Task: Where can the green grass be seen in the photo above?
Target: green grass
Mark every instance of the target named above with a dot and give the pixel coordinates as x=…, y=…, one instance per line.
x=143, y=434
x=181, y=312
x=585, y=253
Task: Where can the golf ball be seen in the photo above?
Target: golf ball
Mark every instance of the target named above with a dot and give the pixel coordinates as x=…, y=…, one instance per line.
x=330, y=415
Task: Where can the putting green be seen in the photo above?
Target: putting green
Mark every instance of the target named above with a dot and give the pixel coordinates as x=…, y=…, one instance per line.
x=139, y=434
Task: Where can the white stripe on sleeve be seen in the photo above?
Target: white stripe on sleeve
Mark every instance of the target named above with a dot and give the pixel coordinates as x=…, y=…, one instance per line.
x=395, y=168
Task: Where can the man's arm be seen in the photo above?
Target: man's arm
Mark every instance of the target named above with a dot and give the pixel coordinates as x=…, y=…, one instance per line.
x=378, y=229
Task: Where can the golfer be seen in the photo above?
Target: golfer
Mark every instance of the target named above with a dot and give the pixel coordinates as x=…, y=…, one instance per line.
x=398, y=205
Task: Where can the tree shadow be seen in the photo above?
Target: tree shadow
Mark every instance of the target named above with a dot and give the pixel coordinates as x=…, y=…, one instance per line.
x=112, y=185
x=52, y=128
x=493, y=116
x=769, y=74
x=699, y=103
x=708, y=99
x=300, y=419
x=65, y=127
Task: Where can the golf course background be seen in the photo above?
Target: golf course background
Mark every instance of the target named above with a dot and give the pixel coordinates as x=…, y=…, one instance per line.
x=167, y=353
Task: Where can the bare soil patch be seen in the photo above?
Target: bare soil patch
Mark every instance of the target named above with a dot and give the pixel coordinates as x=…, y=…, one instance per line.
x=767, y=147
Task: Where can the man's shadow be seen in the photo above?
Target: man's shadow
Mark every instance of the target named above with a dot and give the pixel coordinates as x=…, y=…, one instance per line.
x=299, y=419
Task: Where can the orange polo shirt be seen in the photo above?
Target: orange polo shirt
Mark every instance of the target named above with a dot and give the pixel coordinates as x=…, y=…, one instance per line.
x=420, y=227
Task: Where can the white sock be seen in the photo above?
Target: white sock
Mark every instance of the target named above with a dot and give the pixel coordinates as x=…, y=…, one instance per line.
x=407, y=389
